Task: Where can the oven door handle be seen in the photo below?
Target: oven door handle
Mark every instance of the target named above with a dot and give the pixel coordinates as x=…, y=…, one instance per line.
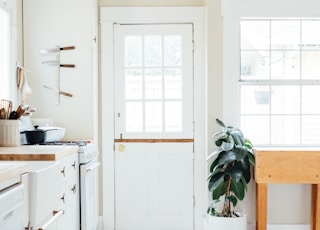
x=56, y=215
x=92, y=167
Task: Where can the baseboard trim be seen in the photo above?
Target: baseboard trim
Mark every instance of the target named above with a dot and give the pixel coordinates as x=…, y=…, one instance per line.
x=282, y=227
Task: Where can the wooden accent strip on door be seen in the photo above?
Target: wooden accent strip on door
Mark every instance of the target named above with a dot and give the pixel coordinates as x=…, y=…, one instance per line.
x=154, y=140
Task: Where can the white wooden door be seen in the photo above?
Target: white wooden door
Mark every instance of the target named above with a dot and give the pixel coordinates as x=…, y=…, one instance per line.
x=153, y=127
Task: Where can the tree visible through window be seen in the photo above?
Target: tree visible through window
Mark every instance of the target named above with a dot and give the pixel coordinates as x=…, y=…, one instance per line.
x=280, y=81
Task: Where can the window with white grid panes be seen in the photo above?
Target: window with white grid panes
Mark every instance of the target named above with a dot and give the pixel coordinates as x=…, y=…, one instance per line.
x=5, y=52
x=280, y=81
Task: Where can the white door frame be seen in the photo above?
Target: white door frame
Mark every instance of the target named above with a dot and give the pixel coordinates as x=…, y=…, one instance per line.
x=111, y=15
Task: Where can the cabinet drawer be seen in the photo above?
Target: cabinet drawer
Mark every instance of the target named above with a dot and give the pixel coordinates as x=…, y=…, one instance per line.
x=69, y=167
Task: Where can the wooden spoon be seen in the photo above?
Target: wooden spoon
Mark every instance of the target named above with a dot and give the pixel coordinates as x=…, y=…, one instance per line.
x=3, y=113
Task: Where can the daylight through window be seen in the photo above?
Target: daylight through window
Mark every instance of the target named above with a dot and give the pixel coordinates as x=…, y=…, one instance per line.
x=280, y=81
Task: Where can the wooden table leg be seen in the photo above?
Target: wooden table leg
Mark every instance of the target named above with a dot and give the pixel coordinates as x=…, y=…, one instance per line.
x=315, y=207
x=261, y=207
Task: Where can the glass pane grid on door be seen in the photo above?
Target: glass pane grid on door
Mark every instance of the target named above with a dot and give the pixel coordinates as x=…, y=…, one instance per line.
x=153, y=83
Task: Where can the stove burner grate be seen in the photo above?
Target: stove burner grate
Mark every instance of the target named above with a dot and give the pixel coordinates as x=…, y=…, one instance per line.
x=79, y=143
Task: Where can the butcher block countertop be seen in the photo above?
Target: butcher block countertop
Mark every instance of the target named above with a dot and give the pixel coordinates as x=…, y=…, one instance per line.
x=10, y=170
x=36, y=152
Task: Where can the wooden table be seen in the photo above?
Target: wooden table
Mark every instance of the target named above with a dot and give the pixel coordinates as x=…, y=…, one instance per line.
x=291, y=166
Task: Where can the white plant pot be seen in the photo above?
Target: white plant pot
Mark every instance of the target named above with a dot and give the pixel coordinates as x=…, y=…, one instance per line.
x=226, y=223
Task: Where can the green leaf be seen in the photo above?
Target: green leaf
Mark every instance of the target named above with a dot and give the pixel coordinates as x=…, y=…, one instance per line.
x=219, y=122
x=238, y=189
x=240, y=152
x=245, y=163
x=216, y=171
x=237, y=135
x=219, y=191
x=235, y=173
x=226, y=157
x=248, y=144
x=227, y=146
x=215, y=153
x=215, y=181
x=215, y=164
x=251, y=159
x=245, y=183
x=233, y=200
x=247, y=175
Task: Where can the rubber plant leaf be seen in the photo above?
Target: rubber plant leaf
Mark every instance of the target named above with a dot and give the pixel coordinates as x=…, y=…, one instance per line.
x=240, y=152
x=216, y=171
x=233, y=200
x=235, y=173
x=227, y=157
x=238, y=189
x=219, y=191
x=214, y=153
x=245, y=183
x=215, y=181
x=227, y=146
x=251, y=159
x=219, y=122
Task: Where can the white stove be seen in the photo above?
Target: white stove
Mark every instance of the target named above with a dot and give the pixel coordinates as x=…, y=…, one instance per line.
x=87, y=153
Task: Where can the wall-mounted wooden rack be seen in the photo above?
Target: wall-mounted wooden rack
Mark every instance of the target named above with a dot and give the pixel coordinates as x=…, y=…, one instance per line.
x=56, y=62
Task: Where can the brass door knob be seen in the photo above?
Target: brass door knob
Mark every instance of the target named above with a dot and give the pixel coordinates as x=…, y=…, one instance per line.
x=120, y=148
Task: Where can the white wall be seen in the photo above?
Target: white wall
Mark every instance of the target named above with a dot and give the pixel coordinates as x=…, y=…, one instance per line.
x=48, y=24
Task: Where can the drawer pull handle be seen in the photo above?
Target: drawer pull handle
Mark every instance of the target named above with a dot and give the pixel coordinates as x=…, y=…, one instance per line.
x=74, y=189
x=62, y=198
x=74, y=165
x=55, y=216
x=63, y=171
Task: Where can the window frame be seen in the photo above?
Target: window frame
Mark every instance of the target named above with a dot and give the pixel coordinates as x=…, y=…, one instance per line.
x=10, y=7
x=233, y=11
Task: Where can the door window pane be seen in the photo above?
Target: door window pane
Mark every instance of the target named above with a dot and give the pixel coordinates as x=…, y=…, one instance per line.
x=172, y=51
x=133, y=51
x=133, y=82
x=134, y=122
x=153, y=51
x=173, y=83
x=153, y=83
x=173, y=116
x=153, y=117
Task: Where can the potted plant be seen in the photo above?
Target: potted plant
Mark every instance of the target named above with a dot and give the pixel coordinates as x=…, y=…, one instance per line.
x=230, y=172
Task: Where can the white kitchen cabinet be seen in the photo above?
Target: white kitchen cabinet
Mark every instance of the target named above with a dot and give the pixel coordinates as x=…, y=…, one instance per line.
x=68, y=198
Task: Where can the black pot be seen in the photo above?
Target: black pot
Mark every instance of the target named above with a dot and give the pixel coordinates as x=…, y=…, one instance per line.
x=35, y=136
